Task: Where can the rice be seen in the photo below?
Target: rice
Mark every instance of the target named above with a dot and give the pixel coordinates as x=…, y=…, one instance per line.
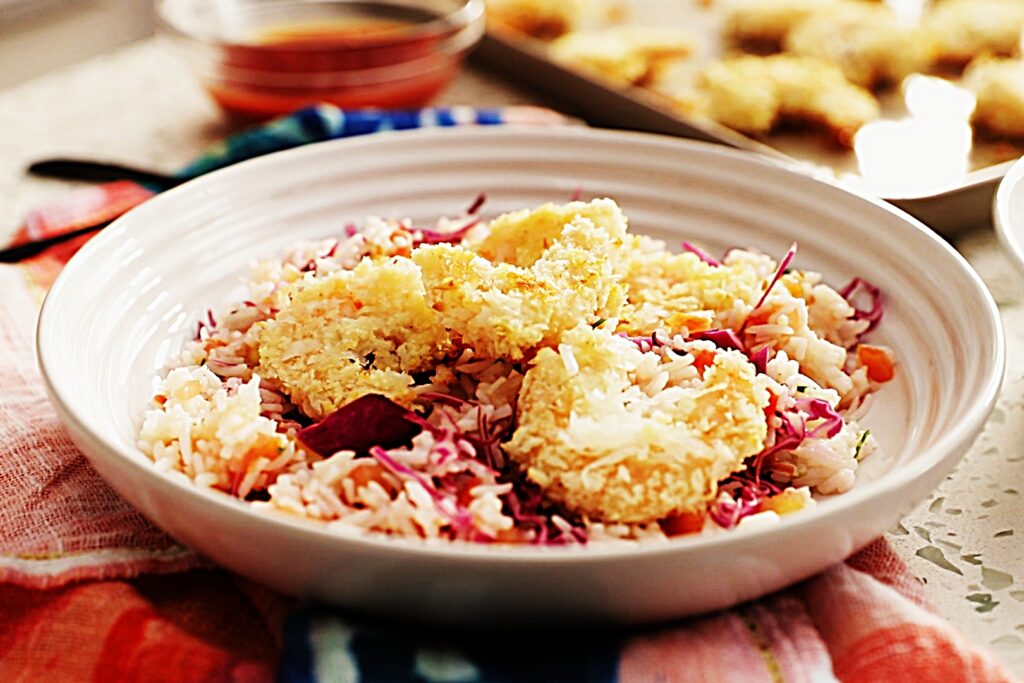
x=568, y=394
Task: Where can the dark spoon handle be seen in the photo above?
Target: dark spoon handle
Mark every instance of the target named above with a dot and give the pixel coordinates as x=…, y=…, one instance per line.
x=24, y=251
x=100, y=171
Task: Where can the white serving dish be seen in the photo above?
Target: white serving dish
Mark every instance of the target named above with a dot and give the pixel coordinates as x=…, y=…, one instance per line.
x=1008, y=213
x=130, y=298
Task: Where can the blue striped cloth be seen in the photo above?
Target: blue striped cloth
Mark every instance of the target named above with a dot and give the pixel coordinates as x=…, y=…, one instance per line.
x=323, y=647
x=327, y=122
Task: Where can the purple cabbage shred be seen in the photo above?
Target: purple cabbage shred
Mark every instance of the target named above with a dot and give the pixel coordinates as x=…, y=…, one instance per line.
x=760, y=359
x=723, y=339
x=728, y=510
x=701, y=254
x=820, y=409
x=857, y=288
x=779, y=272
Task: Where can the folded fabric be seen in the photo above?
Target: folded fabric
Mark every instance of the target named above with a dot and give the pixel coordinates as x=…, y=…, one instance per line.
x=863, y=621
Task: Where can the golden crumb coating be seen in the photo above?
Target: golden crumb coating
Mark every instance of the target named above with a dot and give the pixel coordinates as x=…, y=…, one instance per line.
x=766, y=23
x=869, y=43
x=998, y=86
x=625, y=54
x=506, y=311
x=965, y=29
x=543, y=19
x=351, y=333
x=681, y=294
x=753, y=94
x=666, y=451
x=520, y=237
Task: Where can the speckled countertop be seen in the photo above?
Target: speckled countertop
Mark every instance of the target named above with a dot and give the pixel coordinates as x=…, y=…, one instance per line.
x=965, y=542
x=139, y=105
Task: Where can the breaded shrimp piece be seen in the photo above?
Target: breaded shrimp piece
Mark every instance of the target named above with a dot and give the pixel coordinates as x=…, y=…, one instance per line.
x=868, y=42
x=625, y=54
x=519, y=238
x=766, y=23
x=681, y=294
x=753, y=94
x=965, y=29
x=676, y=433
x=998, y=86
x=505, y=311
x=351, y=333
x=543, y=19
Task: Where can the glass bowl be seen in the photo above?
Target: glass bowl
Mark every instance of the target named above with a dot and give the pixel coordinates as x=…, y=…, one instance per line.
x=261, y=59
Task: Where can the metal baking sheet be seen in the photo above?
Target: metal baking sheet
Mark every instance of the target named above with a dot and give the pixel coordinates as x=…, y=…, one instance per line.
x=931, y=167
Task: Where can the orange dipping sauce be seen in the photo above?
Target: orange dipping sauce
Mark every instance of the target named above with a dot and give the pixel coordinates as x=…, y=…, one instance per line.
x=353, y=63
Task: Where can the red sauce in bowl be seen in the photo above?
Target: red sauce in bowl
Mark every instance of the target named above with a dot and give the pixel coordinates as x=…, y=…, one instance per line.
x=356, y=63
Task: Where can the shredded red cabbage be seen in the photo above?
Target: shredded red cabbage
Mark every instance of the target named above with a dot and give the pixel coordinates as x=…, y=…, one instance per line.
x=779, y=272
x=873, y=315
x=820, y=409
x=460, y=518
x=643, y=343
x=701, y=254
x=477, y=204
x=793, y=430
x=745, y=493
x=727, y=511
x=751, y=478
x=760, y=359
x=370, y=420
x=531, y=513
x=790, y=434
x=723, y=339
x=447, y=399
x=429, y=236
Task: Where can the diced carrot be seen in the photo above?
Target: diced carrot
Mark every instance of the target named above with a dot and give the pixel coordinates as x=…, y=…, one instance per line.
x=877, y=361
x=370, y=470
x=773, y=404
x=757, y=318
x=512, y=535
x=265, y=447
x=692, y=323
x=683, y=523
x=702, y=358
x=465, y=485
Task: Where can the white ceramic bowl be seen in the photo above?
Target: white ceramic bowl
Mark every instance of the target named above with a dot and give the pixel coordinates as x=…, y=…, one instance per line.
x=1008, y=213
x=129, y=299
